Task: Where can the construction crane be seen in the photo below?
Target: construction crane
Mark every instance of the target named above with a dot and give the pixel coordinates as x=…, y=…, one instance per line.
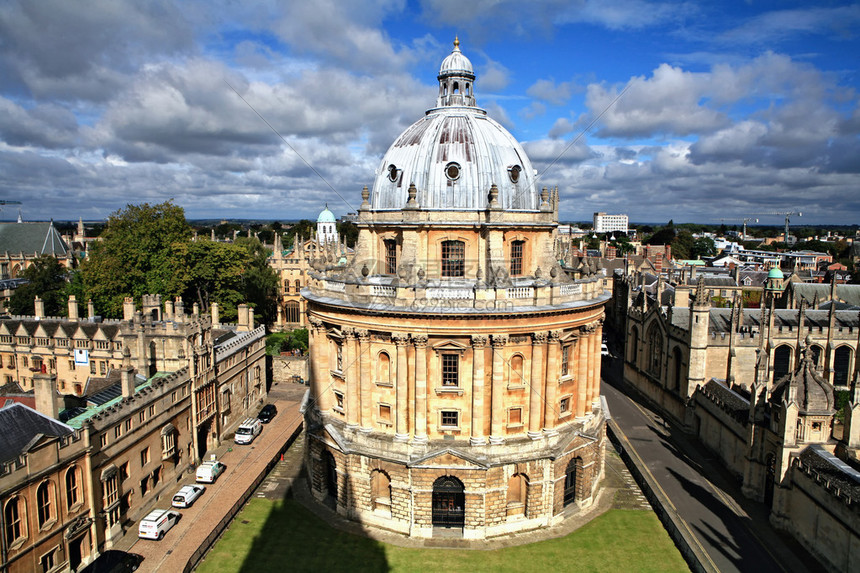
x=785, y=214
x=4, y=202
x=745, y=220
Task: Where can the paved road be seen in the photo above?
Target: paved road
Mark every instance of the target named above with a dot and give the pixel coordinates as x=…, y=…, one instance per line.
x=734, y=531
x=244, y=464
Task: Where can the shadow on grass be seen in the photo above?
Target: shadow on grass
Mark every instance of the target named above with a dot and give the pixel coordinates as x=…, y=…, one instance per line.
x=294, y=539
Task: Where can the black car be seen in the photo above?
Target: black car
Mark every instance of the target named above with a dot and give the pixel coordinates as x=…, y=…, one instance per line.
x=267, y=413
x=113, y=561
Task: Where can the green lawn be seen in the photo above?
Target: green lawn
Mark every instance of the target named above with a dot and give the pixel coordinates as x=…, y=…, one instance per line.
x=284, y=536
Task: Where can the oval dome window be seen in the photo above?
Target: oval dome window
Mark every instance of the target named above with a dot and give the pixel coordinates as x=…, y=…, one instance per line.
x=452, y=171
x=514, y=173
x=392, y=172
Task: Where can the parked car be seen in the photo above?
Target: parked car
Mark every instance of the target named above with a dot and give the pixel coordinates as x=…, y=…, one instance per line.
x=267, y=413
x=208, y=472
x=157, y=523
x=114, y=561
x=187, y=494
x=248, y=430
x=604, y=350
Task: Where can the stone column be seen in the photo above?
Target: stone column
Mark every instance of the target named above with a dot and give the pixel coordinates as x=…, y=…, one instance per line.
x=478, y=344
x=552, y=376
x=320, y=377
x=497, y=407
x=402, y=428
x=420, y=425
x=581, y=373
x=365, y=380
x=351, y=372
x=536, y=384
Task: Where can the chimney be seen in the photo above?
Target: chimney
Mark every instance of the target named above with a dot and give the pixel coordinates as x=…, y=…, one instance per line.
x=611, y=252
x=128, y=308
x=45, y=390
x=126, y=374
x=73, y=307
x=180, y=310
x=168, y=310
x=658, y=263
x=195, y=309
x=216, y=319
x=242, y=318
x=91, y=310
x=692, y=274
x=250, y=318
x=40, y=307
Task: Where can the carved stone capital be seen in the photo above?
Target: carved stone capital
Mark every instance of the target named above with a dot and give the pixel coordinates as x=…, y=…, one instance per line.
x=539, y=338
x=399, y=339
x=315, y=322
x=420, y=340
x=479, y=340
x=348, y=332
x=499, y=339
x=362, y=334
x=554, y=336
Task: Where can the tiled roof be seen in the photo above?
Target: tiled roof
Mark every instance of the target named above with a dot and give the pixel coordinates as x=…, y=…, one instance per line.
x=22, y=426
x=30, y=238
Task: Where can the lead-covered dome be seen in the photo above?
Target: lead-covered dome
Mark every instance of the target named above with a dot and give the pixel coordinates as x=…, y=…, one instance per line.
x=455, y=154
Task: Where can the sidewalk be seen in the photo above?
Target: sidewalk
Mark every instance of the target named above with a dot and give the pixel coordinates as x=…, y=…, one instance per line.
x=245, y=464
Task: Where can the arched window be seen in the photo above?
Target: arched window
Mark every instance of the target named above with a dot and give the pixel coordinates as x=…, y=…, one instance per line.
x=73, y=487
x=15, y=513
x=677, y=369
x=841, y=364
x=815, y=355
x=781, y=361
x=380, y=491
x=453, y=258
x=634, y=346
x=383, y=369
x=517, y=258
x=516, y=377
x=655, y=349
x=287, y=286
x=45, y=503
x=330, y=468
x=291, y=311
x=298, y=284
x=517, y=494
x=390, y=256
x=456, y=87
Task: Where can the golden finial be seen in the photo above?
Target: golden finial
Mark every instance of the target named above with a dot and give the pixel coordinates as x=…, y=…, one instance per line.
x=456, y=43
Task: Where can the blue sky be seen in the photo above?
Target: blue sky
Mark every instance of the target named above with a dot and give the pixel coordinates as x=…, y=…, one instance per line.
x=732, y=109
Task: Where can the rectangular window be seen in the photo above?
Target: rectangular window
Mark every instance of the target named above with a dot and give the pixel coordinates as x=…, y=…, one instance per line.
x=123, y=471
x=517, y=258
x=453, y=258
x=117, y=431
x=110, y=489
x=385, y=413
x=565, y=360
x=339, y=350
x=128, y=425
x=390, y=256
x=144, y=457
x=103, y=439
x=92, y=366
x=338, y=400
x=515, y=416
x=71, y=364
x=450, y=370
x=450, y=418
x=48, y=560
x=144, y=486
x=564, y=405
x=102, y=367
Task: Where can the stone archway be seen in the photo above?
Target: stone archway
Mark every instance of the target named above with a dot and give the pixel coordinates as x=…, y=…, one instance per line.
x=572, y=477
x=330, y=468
x=449, y=502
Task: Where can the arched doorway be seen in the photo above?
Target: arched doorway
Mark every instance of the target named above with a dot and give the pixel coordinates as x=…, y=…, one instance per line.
x=449, y=502
x=330, y=467
x=571, y=477
x=841, y=365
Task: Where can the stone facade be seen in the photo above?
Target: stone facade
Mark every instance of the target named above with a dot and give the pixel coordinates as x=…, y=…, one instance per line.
x=455, y=366
x=154, y=417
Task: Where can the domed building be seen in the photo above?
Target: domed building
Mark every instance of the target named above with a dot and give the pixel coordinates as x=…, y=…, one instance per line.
x=455, y=368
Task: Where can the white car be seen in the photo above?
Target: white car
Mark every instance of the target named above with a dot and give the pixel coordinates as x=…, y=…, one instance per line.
x=208, y=472
x=157, y=523
x=186, y=495
x=604, y=350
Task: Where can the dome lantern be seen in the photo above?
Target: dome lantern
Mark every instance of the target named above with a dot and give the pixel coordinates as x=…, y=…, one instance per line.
x=456, y=80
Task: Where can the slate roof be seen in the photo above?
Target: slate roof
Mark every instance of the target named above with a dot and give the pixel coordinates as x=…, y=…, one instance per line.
x=807, y=291
x=832, y=469
x=728, y=398
x=41, y=238
x=814, y=394
x=23, y=427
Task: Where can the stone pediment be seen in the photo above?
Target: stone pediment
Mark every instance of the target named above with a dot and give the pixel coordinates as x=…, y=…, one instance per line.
x=449, y=458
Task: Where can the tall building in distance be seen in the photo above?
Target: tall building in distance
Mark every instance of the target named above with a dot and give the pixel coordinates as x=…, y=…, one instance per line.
x=455, y=367
x=604, y=223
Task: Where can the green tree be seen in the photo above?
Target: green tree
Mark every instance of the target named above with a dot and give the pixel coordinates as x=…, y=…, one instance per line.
x=136, y=256
x=348, y=232
x=48, y=281
x=260, y=281
x=682, y=245
x=703, y=247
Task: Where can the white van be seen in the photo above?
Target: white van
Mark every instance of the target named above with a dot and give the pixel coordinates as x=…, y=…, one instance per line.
x=157, y=523
x=208, y=472
x=248, y=430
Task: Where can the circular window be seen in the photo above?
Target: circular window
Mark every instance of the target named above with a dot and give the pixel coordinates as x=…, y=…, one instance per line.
x=514, y=173
x=392, y=172
x=452, y=171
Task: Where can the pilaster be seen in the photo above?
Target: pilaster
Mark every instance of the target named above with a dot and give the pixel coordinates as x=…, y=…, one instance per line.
x=477, y=437
x=420, y=342
x=536, y=384
x=402, y=428
x=497, y=412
